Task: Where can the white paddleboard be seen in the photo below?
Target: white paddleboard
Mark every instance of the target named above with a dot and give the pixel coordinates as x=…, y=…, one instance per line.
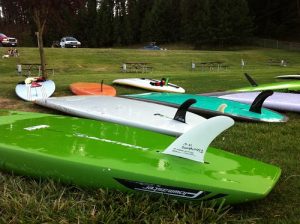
x=150, y=84
x=35, y=90
x=288, y=77
x=277, y=101
x=130, y=112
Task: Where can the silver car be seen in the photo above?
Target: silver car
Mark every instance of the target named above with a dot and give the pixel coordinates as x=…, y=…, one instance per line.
x=69, y=42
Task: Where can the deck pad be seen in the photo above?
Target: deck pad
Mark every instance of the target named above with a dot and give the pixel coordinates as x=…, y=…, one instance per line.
x=100, y=154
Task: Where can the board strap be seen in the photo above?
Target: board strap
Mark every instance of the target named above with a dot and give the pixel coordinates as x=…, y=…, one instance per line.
x=181, y=112
x=193, y=144
x=155, y=80
x=251, y=80
x=259, y=100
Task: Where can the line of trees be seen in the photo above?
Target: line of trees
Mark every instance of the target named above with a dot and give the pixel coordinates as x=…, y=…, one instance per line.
x=105, y=23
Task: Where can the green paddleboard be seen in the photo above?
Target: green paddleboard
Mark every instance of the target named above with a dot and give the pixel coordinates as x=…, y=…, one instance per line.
x=99, y=154
x=278, y=86
x=209, y=106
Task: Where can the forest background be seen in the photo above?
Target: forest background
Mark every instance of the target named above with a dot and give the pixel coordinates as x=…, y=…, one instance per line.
x=114, y=23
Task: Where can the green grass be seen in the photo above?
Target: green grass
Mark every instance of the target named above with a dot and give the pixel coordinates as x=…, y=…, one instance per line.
x=26, y=200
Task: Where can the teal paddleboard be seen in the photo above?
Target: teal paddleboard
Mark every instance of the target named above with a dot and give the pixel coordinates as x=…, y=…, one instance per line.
x=278, y=86
x=99, y=154
x=211, y=106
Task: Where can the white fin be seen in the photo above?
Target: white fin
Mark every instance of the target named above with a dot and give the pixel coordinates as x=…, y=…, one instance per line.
x=194, y=143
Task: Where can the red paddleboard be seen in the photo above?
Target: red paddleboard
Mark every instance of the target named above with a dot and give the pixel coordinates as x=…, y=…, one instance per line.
x=92, y=88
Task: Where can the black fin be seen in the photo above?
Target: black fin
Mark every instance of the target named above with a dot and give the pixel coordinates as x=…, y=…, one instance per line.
x=251, y=80
x=259, y=100
x=102, y=85
x=181, y=112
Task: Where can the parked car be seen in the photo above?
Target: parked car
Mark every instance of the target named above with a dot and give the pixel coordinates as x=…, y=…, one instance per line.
x=69, y=42
x=152, y=46
x=8, y=41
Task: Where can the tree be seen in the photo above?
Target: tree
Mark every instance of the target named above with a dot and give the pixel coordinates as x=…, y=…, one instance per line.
x=144, y=9
x=40, y=11
x=133, y=21
x=90, y=21
x=13, y=20
x=230, y=22
x=162, y=22
x=196, y=18
x=122, y=27
x=276, y=19
x=105, y=21
x=242, y=25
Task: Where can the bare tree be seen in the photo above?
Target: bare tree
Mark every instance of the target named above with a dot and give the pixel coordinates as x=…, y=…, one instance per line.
x=40, y=18
x=41, y=11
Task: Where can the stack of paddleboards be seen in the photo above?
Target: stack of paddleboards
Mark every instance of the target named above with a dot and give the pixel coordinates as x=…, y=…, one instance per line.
x=100, y=154
x=282, y=101
x=33, y=88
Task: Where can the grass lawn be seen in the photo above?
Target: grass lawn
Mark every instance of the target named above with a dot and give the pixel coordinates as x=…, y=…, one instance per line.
x=26, y=200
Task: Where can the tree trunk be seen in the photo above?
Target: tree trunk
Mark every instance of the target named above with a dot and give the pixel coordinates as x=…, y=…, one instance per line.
x=40, y=26
x=42, y=54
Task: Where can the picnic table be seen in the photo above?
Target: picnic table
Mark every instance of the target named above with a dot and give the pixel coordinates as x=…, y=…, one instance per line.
x=211, y=65
x=31, y=67
x=277, y=62
x=136, y=67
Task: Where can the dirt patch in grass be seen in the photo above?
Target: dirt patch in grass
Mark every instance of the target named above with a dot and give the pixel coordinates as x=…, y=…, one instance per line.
x=9, y=104
x=21, y=105
x=99, y=69
x=15, y=104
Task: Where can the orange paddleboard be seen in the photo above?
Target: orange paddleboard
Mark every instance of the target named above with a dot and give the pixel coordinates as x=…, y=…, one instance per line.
x=91, y=88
